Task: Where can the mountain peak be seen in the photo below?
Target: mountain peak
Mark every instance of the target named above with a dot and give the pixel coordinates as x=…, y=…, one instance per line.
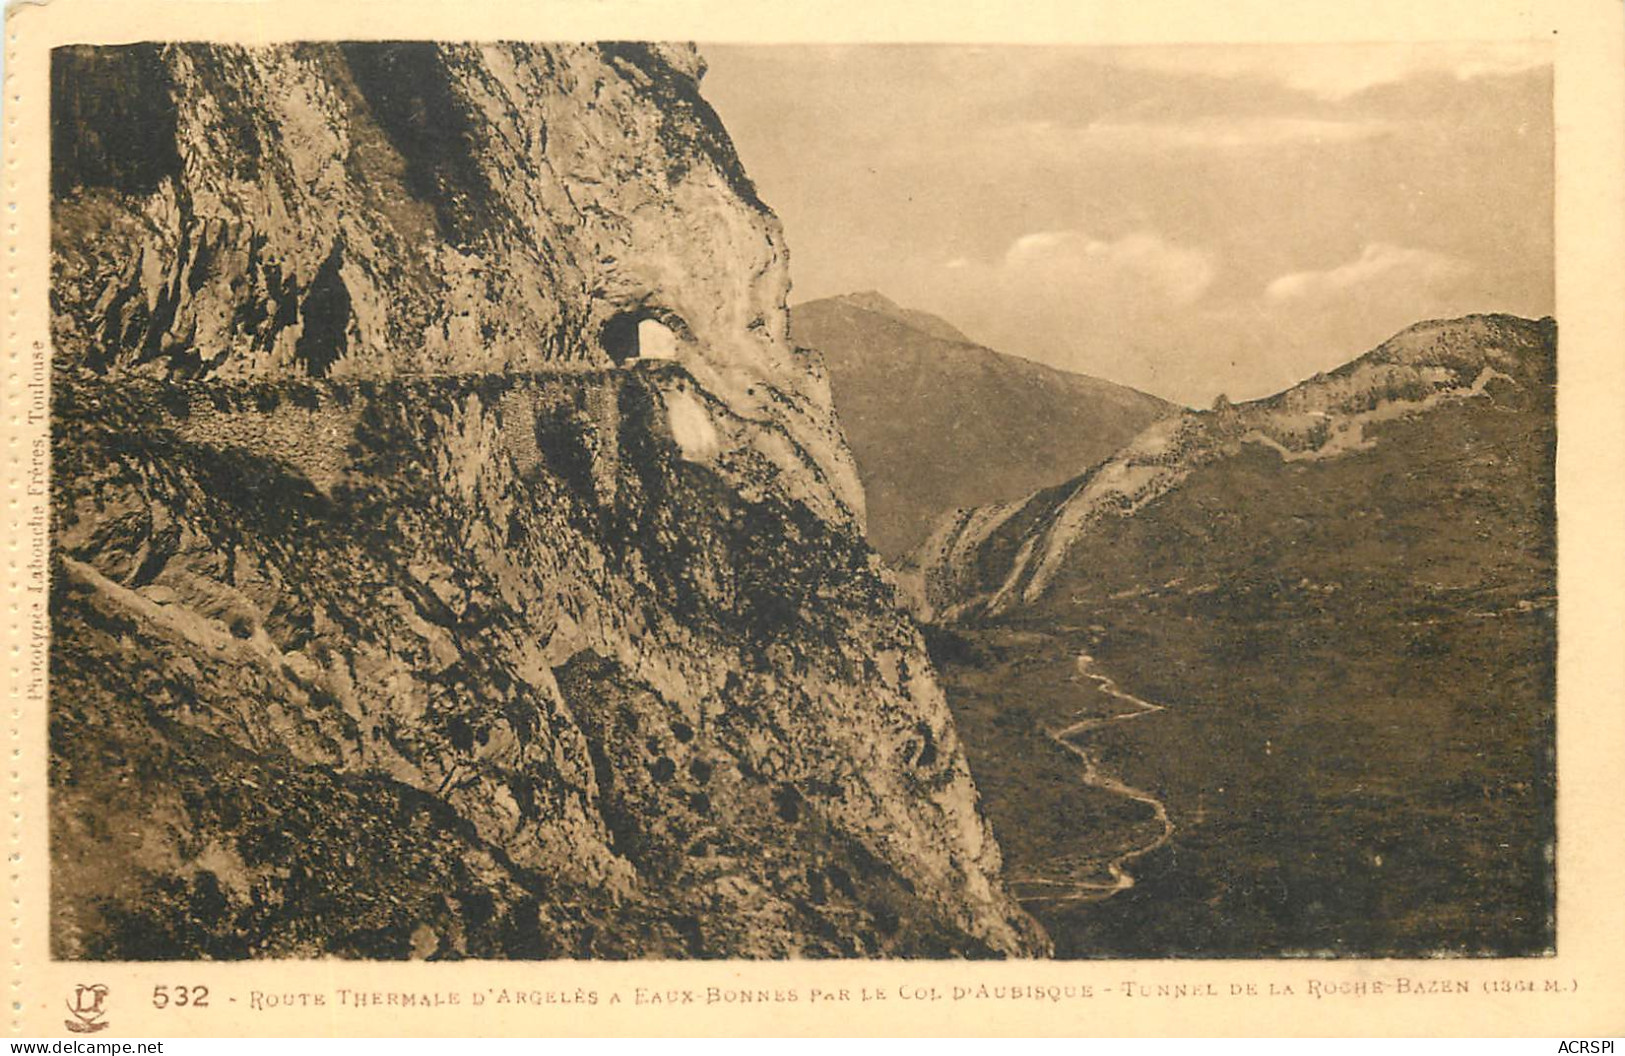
x=873, y=301
x=926, y=323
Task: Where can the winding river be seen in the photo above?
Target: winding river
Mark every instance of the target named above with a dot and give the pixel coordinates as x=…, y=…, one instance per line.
x=1070, y=738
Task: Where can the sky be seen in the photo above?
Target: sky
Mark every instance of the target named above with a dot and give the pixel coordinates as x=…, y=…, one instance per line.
x=1190, y=221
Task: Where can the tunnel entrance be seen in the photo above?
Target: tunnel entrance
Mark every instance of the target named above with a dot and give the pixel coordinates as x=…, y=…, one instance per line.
x=629, y=336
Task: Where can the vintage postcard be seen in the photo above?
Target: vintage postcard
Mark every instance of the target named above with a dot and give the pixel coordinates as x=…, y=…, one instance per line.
x=605, y=518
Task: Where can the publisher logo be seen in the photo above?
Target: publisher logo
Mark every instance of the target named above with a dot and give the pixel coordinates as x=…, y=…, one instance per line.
x=86, y=1004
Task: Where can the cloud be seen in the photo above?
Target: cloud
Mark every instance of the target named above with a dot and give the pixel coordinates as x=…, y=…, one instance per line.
x=1337, y=71
x=1377, y=262
x=1223, y=133
x=1036, y=245
x=1136, y=265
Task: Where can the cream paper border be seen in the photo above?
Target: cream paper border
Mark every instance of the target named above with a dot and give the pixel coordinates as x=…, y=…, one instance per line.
x=1579, y=992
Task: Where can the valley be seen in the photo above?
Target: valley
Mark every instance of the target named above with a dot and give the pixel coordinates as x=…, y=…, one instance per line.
x=1354, y=659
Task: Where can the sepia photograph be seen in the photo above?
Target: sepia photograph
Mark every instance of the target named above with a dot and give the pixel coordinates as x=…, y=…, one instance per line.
x=893, y=521
x=654, y=500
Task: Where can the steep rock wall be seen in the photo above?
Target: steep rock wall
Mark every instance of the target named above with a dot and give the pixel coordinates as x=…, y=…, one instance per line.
x=389, y=618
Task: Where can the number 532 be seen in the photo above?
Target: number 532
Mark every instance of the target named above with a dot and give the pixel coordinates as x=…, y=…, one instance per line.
x=180, y=996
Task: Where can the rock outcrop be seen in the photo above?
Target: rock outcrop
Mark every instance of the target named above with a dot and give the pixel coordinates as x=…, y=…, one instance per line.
x=395, y=613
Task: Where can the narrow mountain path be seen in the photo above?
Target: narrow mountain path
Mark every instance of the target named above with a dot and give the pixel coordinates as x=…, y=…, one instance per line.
x=1073, y=890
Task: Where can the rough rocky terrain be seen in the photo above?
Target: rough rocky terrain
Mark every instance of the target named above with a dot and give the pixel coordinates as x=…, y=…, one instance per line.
x=395, y=613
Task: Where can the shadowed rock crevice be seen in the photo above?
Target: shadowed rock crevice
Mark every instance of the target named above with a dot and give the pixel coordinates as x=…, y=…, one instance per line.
x=325, y=315
x=112, y=120
x=412, y=96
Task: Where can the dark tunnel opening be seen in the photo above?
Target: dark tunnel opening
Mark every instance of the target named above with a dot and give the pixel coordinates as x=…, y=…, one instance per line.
x=638, y=334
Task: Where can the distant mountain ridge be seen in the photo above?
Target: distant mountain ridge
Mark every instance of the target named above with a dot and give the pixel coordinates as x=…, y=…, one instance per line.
x=937, y=422
x=997, y=557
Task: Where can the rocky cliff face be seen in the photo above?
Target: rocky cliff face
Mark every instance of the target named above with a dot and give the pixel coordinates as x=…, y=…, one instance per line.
x=390, y=616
